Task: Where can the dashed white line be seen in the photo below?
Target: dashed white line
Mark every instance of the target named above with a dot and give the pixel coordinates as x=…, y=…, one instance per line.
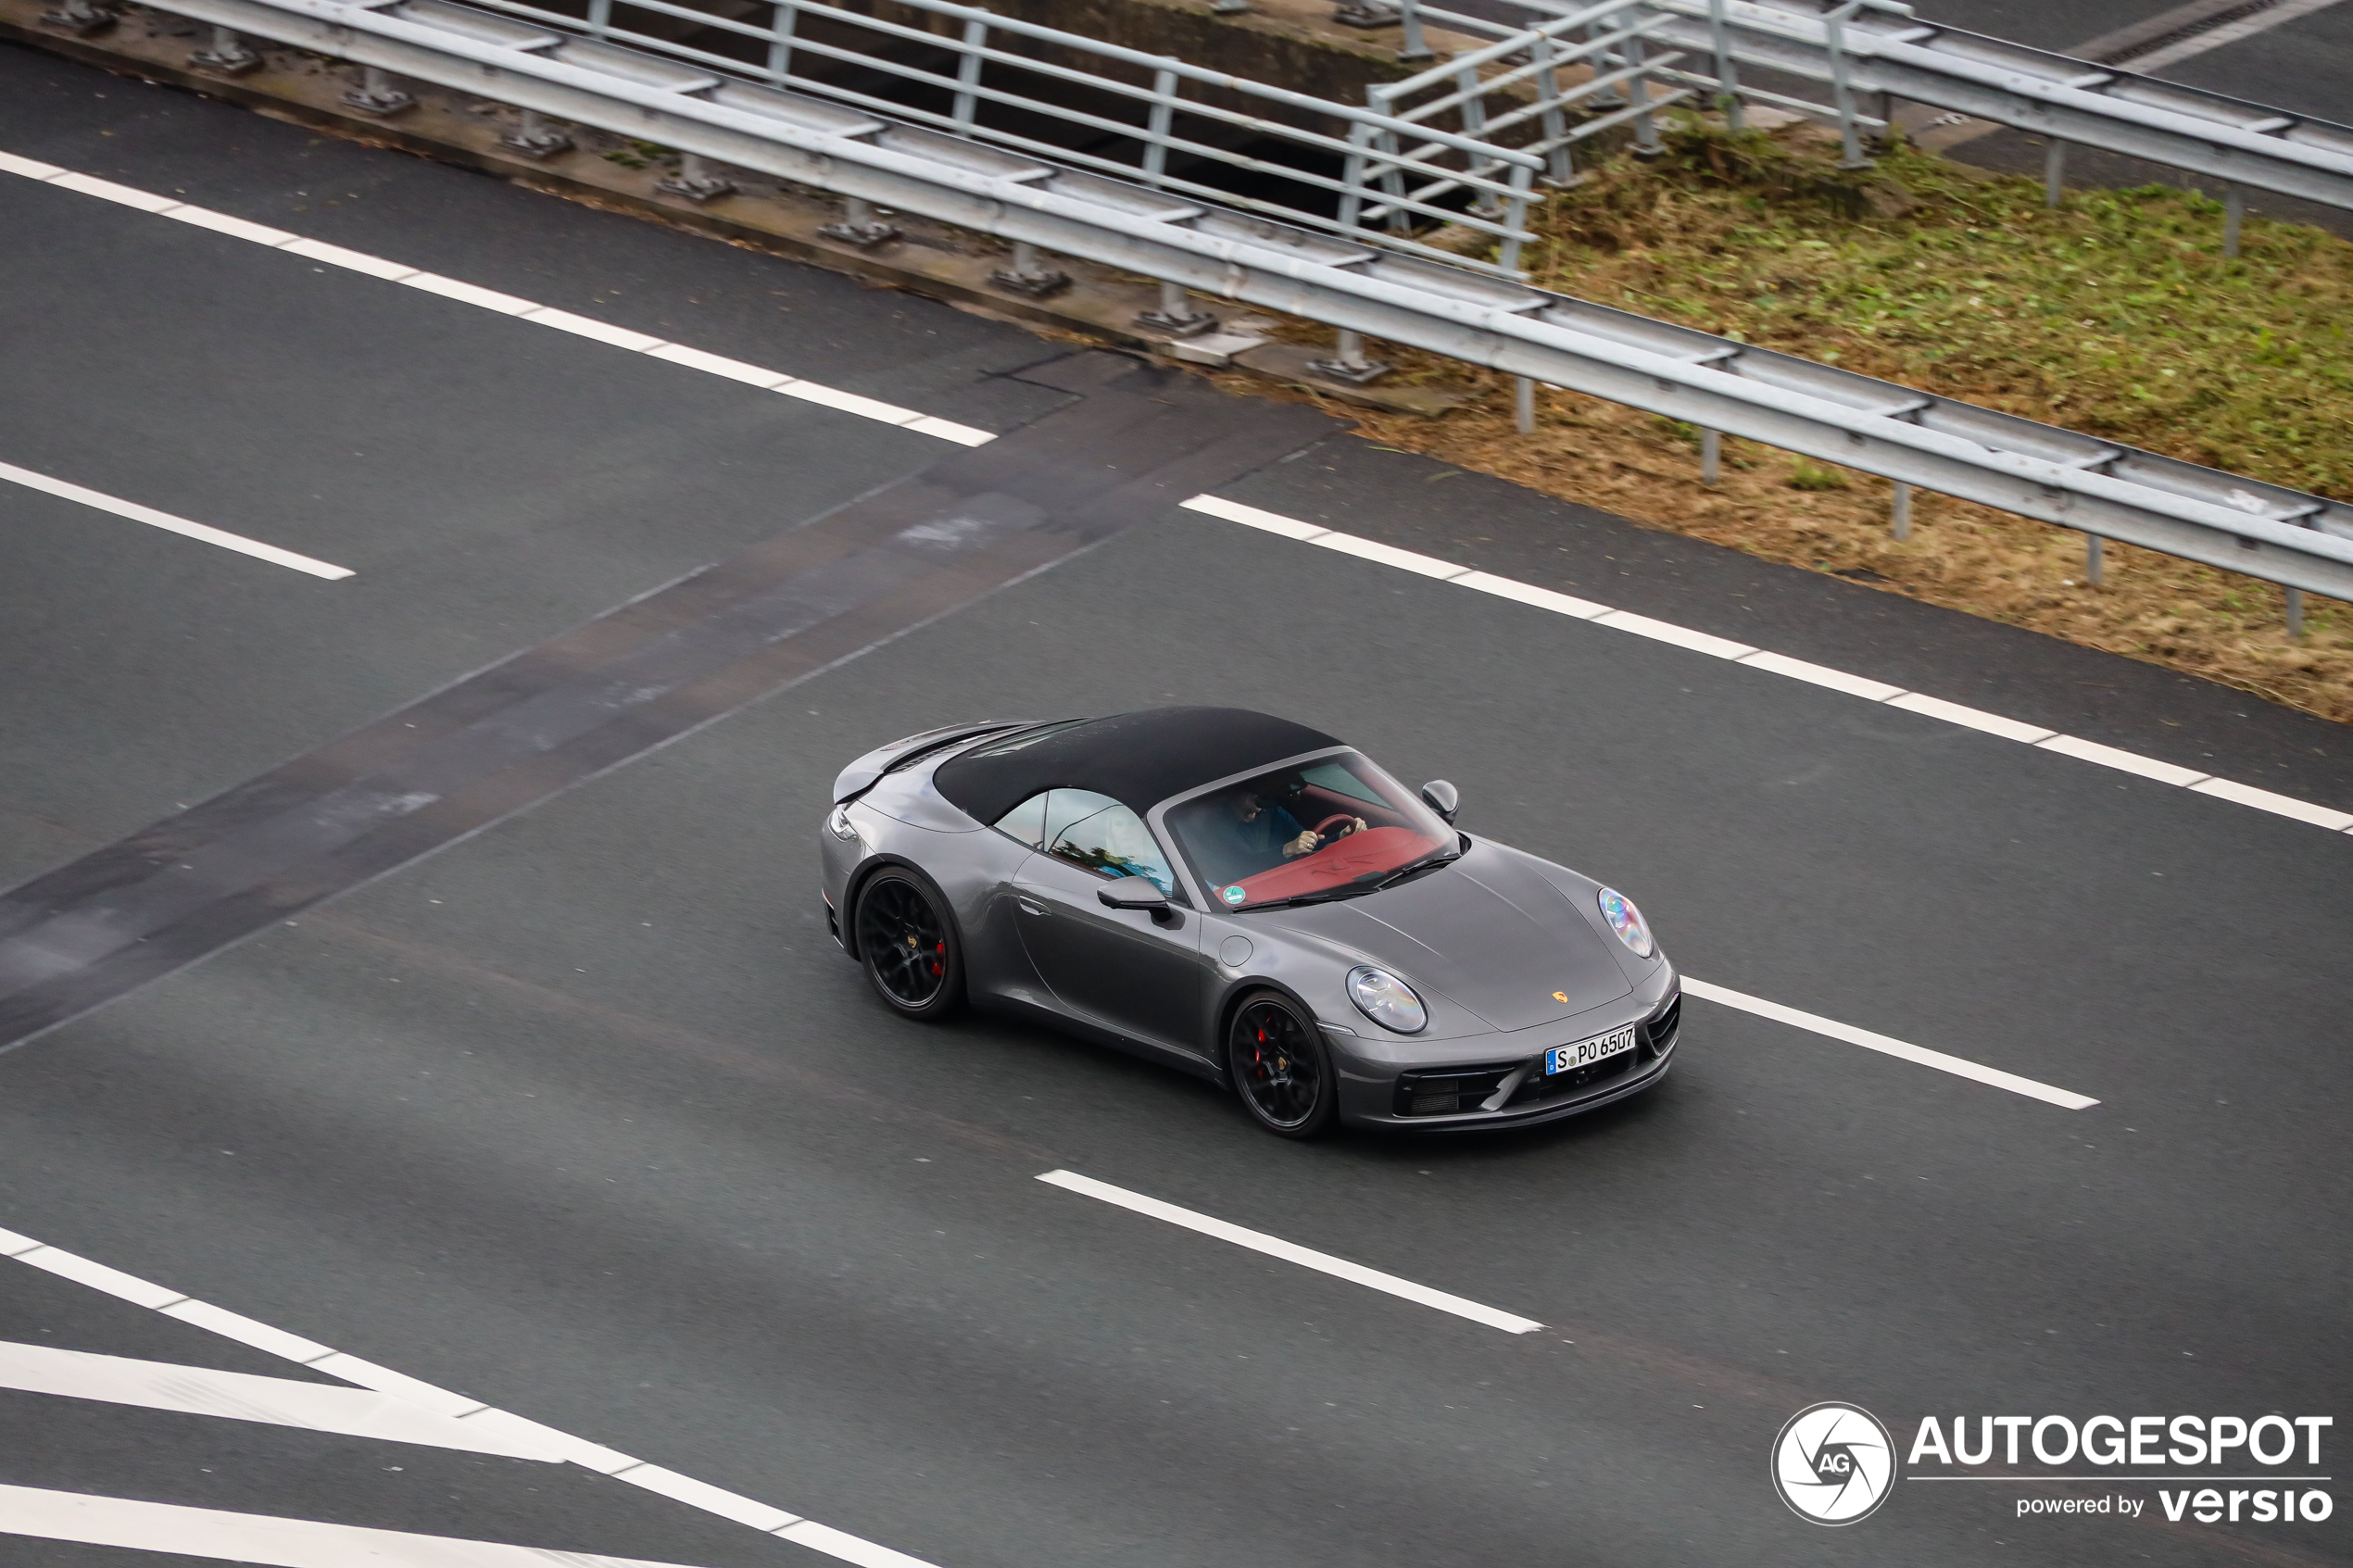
x=98, y=500
x=238, y=1396
x=1960, y=1067
x=463, y=293
x=1290, y=1252
x=1777, y=663
x=263, y=1538
x=496, y=1424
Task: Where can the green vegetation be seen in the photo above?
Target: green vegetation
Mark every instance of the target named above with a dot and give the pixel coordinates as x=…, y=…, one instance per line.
x=2116, y=315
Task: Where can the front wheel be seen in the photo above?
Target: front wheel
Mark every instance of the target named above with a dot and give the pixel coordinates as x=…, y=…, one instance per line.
x=908, y=946
x=1280, y=1067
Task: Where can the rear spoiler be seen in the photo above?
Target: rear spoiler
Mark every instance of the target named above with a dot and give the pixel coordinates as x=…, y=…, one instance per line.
x=860, y=775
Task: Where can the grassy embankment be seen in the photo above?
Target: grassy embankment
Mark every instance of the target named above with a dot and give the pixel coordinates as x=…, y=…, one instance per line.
x=2116, y=315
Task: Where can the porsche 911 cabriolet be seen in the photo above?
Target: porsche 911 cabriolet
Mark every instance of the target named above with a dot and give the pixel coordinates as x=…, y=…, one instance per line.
x=1251, y=900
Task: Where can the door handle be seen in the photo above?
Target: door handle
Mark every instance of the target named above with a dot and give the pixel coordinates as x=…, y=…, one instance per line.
x=1029, y=906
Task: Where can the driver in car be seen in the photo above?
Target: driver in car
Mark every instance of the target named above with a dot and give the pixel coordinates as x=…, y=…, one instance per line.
x=1255, y=831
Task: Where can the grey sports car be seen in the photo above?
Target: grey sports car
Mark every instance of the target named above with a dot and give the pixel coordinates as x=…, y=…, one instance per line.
x=1253, y=901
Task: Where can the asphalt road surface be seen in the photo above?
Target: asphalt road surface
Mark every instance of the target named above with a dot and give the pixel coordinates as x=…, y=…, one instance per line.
x=573, y=1108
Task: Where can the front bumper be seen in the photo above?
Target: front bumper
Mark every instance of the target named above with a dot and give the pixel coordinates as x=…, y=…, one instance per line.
x=1454, y=1097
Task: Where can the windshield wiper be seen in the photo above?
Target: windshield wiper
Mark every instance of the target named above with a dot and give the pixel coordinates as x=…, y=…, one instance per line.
x=1324, y=896
x=1426, y=863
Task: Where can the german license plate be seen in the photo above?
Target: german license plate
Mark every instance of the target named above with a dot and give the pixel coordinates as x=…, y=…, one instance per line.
x=1568, y=1058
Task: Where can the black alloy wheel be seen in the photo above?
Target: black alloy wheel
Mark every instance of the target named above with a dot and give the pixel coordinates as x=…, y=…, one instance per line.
x=1280, y=1068
x=909, y=946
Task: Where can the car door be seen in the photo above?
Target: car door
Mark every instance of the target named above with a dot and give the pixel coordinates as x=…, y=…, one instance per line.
x=1136, y=972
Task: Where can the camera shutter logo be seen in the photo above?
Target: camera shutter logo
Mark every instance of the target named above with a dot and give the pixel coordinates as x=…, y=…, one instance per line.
x=1834, y=1463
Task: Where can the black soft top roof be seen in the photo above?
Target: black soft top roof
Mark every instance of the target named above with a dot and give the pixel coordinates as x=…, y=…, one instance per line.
x=1139, y=760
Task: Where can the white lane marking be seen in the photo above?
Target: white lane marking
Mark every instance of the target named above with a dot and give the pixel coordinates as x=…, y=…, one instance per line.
x=1822, y=676
x=262, y=1538
x=2228, y=33
x=494, y=1423
x=492, y=299
x=204, y=532
x=1290, y=1252
x=2124, y=762
x=237, y=1396
x=1971, y=718
x=1778, y=664
x=849, y=1549
x=1959, y=1067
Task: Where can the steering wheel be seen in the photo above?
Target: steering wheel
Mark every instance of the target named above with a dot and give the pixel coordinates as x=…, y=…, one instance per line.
x=1349, y=818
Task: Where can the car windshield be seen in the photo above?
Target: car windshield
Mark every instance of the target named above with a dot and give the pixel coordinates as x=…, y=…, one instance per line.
x=1333, y=827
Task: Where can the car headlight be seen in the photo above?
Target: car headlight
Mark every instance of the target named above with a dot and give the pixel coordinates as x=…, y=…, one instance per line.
x=1627, y=921
x=839, y=824
x=1387, y=1001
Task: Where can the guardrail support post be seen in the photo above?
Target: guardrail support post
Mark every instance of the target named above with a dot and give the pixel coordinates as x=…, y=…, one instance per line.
x=1728, y=74
x=1413, y=47
x=695, y=182
x=2295, y=614
x=1843, y=90
x=1157, y=123
x=1349, y=363
x=2053, y=171
x=859, y=226
x=1524, y=404
x=228, y=56
x=780, y=42
x=1899, y=516
x=80, y=18
x=1028, y=276
x=1175, y=315
x=1638, y=89
x=2234, y=214
x=377, y=93
x=2094, y=560
x=968, y=73
x=534, y=137
x=1711, y=455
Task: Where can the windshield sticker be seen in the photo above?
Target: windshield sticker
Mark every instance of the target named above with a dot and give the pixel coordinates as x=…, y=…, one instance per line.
x=1234, y=895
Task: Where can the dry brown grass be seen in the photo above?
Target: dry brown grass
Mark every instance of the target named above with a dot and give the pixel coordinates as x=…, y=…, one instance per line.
x=2116, y=315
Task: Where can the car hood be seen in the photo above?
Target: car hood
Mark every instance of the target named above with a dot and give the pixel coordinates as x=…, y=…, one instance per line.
x=1493, y=935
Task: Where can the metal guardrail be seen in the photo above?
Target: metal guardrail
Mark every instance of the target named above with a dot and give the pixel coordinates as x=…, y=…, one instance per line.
x=2016, y=465
x=1876, y=53
x=989, y=87
x=1876, y=49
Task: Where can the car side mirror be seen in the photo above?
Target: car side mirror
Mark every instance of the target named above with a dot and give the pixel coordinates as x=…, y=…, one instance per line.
x=1133, y=892
x=1442, y=798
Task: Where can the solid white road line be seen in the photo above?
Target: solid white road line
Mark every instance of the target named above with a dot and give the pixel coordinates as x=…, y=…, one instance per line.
x=1776, y=664
x=169, y=524
x=1959, y=1067
x=544, y=1442
x=260, y=1539
x=315, y=1407
x=2228, y=33
x=491, y=299
x=1290, y=1252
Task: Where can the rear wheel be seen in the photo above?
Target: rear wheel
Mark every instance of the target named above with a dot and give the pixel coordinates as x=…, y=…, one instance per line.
x=1280, y=1068
x=908, y=946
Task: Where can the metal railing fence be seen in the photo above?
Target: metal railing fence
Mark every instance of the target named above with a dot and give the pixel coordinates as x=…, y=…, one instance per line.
x=984, y=74
x=1871, y=54
x=1527, y=87
x=2018, y=465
